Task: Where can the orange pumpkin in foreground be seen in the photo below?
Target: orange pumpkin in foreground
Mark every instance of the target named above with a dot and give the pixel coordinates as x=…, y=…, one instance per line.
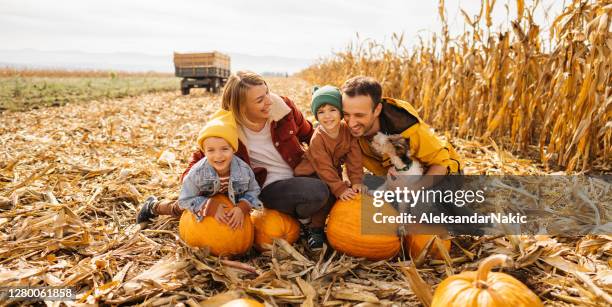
x=271, y=224
x=219, y=237
x=344, y=230
x=243, y=302
x=484, y=289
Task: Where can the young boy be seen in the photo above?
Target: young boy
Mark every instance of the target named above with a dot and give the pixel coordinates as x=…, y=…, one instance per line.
x=219, y=172
x=332, y=145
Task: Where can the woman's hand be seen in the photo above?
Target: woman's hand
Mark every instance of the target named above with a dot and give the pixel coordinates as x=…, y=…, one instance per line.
x=357, y=188
x=348, y=194
x=235, y=218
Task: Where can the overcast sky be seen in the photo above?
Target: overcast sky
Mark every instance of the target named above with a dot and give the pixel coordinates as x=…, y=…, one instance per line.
x=299, y=29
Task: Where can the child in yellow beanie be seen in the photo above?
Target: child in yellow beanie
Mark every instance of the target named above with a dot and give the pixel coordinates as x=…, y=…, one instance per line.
x=219, y=172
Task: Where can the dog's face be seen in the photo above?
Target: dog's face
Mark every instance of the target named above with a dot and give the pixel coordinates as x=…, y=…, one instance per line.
x=393, y=144
x=399, y=144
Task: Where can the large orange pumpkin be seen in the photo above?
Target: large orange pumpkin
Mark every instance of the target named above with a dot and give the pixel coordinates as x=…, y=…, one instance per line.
x=243, y=302
x=219, y=237
x=484, y=289
x=344, y=231
x=271, y=224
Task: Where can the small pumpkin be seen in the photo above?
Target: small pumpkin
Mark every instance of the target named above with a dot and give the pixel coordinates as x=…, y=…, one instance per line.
x=417, y=242
x=419, y=236
x=272, y=224
x=344, y=230
x=483, y=288
x=243, y=302
x=219, y=237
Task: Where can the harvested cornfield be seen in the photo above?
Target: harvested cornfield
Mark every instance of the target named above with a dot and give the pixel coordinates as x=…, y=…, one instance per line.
x=7, y=72
x=22, y=90
x=71, y=179
x=549, y=99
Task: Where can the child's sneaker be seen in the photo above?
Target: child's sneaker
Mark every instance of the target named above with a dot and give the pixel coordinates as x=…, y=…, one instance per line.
x=316, y=238
x=304, y=227
x=146, y=211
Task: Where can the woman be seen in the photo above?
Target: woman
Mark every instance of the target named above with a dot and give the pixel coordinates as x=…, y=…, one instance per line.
x=271, y=130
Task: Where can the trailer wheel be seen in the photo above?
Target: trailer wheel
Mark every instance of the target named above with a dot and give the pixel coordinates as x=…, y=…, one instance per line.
x=185, y=90
x=216, y=86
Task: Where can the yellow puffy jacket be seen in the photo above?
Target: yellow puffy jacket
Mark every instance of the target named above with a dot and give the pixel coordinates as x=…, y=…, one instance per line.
x=424, y=145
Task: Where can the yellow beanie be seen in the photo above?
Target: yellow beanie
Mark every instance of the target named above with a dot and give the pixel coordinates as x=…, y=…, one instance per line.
x=221, y=124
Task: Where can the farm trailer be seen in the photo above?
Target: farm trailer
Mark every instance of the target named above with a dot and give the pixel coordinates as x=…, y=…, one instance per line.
x=208, y=70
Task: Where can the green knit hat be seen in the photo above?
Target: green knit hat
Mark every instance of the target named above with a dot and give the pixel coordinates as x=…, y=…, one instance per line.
x=325, y=95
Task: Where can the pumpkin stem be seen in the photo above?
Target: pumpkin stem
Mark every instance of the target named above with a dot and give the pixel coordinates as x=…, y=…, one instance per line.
x=485, y=267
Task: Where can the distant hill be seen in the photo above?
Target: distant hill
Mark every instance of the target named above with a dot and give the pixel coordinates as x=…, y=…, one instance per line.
x=138, y=62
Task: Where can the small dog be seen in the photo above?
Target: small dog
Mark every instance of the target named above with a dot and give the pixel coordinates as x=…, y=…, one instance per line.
x=396, y=147
x=398, y=150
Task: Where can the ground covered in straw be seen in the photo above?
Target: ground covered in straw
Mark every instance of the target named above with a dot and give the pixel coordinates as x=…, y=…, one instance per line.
x=71, y=179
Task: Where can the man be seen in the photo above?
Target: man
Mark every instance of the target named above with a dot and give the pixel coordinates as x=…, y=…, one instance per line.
x=366, y=112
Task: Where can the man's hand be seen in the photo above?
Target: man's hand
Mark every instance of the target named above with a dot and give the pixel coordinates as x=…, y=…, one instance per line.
x=357, y=188
x=437, y=170
x=434, y=174
x=392, y=173
x=394, y=180
x=235, y=218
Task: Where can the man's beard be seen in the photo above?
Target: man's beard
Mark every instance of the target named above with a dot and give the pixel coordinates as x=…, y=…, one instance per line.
x=367, y=132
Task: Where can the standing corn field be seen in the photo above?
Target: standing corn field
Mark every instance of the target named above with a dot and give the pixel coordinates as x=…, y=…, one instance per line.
x=504, y=85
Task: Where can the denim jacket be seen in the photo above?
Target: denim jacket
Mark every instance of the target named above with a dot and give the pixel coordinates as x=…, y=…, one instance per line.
x=203, y=182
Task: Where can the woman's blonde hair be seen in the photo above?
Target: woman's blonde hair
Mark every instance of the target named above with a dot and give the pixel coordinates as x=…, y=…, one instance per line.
x=235, y=93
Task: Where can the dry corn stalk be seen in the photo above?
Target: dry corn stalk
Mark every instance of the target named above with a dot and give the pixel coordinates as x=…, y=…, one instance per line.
x=504, y=85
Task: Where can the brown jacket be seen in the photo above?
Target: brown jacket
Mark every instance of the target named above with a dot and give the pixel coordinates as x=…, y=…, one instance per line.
x=326, y=155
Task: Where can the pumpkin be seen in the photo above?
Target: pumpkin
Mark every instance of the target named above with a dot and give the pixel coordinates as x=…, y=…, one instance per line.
x=419, y=236
x=272, y=224
x=483, y=289
x=243, y=302
x=417, y=242
x=344, y=230
x=219, y=237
